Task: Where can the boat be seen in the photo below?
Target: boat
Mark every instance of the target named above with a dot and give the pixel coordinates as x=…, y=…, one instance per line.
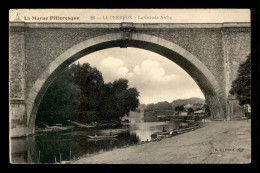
x=55, y=128
x=183, y=125
x=82, y=125
x=39, y=130
x=160, y=134
x=126, y=121
x=102, y=137
x=58, y=127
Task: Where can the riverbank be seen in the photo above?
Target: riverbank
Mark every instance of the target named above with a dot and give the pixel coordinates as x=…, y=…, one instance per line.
x=217, y=142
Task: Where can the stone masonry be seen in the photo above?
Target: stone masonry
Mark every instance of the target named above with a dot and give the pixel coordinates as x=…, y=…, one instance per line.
x=210, y=53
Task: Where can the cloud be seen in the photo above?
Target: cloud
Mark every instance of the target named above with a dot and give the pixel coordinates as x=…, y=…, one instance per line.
x=155, y=77
x=152, y=71
x=113, y=68
x=148, y=71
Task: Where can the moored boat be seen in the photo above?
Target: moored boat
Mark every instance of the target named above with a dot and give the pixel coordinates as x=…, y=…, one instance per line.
x=83, y=125
x=55, y=128
x=59, y=127
x=102, y=137
x=160, y=134
x=126, y=121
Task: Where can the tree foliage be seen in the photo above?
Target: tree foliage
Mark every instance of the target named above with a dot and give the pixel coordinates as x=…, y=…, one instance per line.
x=118, y=100
x=160, y=106
x=80, y=93
x=60, y=100
x=207, y=110
x=190, y=111
x=179, y=108
x=90, y=81
x=241, y=86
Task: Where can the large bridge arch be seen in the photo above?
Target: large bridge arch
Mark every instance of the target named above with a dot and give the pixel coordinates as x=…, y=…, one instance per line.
x=208, y=84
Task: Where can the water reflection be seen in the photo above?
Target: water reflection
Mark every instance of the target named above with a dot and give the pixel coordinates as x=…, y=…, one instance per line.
x=145, y=129
x=45, y=148
x=23, y=150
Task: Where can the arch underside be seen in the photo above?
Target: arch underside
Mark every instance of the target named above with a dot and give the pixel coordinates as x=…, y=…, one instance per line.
x=213, y=93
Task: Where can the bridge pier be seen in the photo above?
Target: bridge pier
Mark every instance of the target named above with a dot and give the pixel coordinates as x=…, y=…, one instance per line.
x=215, y=108
x=18, y=122
x=17, y=75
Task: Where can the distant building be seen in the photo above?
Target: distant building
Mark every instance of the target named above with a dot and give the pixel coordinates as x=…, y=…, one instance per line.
x=199, y=112
x=187, y=106
x=183, y=113
x=247, y=108
x=197, y=106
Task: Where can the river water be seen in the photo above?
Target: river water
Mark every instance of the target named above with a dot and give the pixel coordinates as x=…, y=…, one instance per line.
x=53, y=147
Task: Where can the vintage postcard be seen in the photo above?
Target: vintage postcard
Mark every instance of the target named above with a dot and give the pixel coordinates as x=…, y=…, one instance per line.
x=130, y=86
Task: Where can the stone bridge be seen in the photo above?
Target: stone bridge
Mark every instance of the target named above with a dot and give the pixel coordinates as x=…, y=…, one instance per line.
x=39, y=52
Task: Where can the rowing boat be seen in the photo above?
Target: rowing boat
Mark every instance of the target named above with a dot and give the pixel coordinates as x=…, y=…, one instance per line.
x=102, y=137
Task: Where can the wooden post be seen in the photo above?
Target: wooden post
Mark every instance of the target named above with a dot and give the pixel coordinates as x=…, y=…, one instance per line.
x=55, y=159
x=39, y=156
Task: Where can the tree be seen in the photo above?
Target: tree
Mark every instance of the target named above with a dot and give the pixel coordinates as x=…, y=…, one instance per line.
x=127, y=101
x=118, y=100
x=160, y=106
x=120, y=85
x=150, y=107
x=60, y=100
x=207, y=110
x=179, y=108
x=197, y=109
x=107, y=102
x=90, y=82
x=80, y=93
x=190, y=111
x=163, y=106
x=241, y=86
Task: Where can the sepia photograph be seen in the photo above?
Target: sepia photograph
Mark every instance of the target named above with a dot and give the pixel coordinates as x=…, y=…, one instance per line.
x=130, y=86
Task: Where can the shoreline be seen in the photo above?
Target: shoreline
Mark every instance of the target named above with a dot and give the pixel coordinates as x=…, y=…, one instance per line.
x=216, y=142
x=126, y=146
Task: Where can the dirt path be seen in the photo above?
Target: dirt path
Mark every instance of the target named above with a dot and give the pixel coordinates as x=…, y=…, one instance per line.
x=217, y=142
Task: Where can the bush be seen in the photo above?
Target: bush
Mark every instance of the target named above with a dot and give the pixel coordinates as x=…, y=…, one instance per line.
x=248, y=115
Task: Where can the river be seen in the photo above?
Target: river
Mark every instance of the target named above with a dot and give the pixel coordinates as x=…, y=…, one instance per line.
x=53, y=147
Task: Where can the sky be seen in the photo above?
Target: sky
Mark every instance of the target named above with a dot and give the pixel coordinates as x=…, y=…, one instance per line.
x=155, y=77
